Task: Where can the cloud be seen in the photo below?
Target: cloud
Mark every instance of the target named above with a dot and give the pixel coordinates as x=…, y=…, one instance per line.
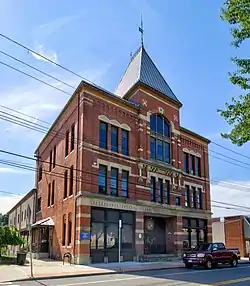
x=236, y=193
x=8, y=202
x=8, y=170
x=49, y=54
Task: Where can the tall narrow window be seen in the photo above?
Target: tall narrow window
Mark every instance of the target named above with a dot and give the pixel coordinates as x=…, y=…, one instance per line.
x=187, y=196
x=125, y=176
x=199, y=199
x=193, y=196
x=64, y=230
x=192, y=164
x=40, y=173
x=124, y=142
x=177, y=201
x=198, y=166
x=102, y=179
x=152, y=189
x=53, y=193
x=50, y=160
x=167, y=191
x=67, y=144
x=160, y=191
x=114, y=182
x=71, y=180
x=186, y=163
x=103, y=135
x=160, y=138
x=54, y=157
x=39, y=204
x=114, y=139
x=49, y=194
x=69, y=228
x=65, y=192
x=72, y=141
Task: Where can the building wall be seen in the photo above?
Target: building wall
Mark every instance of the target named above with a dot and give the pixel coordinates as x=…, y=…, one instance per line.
x=218, y=231
x=234, y=234
x=95, y=106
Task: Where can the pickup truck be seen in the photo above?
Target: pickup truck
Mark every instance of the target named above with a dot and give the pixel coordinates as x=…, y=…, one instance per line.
x=209, y=255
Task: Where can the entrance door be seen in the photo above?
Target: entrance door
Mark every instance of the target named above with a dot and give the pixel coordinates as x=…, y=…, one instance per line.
x=154, y=235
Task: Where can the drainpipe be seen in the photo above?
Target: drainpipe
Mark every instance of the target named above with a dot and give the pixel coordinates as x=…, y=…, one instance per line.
x=77, y=166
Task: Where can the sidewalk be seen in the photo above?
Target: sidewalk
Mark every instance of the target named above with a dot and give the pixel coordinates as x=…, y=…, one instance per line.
x=52, y=269
x=44, y=269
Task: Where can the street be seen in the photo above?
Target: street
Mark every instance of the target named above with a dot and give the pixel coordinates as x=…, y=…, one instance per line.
x=220, y=276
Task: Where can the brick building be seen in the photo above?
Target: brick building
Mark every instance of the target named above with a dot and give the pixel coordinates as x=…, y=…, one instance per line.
x=234, y=231
x=122, y=155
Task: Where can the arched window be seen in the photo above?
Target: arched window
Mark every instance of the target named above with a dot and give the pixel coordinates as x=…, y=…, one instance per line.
x=159, y=138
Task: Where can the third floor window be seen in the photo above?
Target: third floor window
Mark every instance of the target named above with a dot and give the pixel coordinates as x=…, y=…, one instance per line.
x=67, y=144
x=160, y=138
x=124, y=142
x=114, y=138
x=103, y=138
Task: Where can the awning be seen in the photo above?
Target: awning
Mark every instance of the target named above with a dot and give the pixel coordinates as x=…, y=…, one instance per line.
x=44, y=222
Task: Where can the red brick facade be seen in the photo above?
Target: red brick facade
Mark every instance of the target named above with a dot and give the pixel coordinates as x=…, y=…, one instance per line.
x=88, y=106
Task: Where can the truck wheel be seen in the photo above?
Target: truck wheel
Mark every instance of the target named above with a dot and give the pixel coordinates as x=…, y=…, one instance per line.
x=234, y=262
x=189, y=265
x=208, y=264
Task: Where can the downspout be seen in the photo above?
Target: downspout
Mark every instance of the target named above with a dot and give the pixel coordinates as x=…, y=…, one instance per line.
x=77, y=165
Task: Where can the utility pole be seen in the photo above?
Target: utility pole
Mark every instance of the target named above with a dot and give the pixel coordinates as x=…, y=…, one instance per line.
x=30, y=248
x=119, y=237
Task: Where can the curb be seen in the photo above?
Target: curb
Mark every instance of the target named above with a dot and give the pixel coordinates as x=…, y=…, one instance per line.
x=120, y=271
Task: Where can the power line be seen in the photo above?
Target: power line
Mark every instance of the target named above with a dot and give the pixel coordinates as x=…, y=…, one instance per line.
x=35, y=78
x=38, y=70
x=228, y=157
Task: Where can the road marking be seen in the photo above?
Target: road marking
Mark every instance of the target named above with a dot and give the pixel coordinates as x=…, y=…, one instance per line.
x=154, y=276
x=104, y=281
x=232, y=281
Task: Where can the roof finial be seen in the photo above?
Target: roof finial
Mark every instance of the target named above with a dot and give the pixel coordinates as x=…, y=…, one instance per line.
x=141, y=31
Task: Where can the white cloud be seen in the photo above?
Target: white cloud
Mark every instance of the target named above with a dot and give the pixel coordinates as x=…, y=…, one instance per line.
x=236, y=193
x=8, y=170
x=48, y=53
x=8, y=202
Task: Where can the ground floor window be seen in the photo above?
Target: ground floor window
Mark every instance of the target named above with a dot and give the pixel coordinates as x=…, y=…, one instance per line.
x=194, y=232
x=105, y=234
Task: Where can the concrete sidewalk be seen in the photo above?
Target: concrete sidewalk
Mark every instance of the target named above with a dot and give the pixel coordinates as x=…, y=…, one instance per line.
x=53, y=269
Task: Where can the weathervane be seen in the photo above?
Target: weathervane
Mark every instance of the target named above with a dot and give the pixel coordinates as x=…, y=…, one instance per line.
x=141, y=31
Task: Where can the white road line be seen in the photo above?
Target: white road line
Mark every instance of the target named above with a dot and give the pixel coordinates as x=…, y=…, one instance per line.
x=104, y=281
x=150, y=277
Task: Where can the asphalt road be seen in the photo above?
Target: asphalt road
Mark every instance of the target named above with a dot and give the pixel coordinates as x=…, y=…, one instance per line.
x=176, y=277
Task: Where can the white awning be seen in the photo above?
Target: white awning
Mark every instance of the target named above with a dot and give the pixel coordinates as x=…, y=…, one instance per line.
x=44, y=222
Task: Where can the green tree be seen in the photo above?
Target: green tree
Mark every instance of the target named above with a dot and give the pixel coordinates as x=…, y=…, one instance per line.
x=237, y=113
x=3, y=219
x=9, y=236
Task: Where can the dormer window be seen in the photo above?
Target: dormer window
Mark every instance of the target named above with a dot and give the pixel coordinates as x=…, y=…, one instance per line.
x=159, y=138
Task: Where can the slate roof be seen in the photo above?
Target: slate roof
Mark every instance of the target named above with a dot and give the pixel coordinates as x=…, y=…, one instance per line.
x=142, y=69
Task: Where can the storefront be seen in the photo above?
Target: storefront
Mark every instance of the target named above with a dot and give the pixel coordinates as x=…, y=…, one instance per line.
x=194, y=232
x=104, y=245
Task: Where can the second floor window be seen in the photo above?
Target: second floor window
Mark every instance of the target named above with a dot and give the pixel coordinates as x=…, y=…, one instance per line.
x=152, y=189
x=198, y=166
x=193, y=197
x=40, y=173
x=54, y=157
x=177, y=201
x=103, y=135
x=125, y=176
x=71, y=180
x=192, y=164
x=53, y=193
x=199, y=199
x=160, y=191
x=65, y=192
x=187, y=196
x=114, y=138
x=186, y=162
x=124, y=142
x=67, y=144
x=102, y=179
x=160, y=138
x=50, y=160
x=49, y=194
x=39, y=204
x=114, y=182
x=72, y=141
x=167, y=191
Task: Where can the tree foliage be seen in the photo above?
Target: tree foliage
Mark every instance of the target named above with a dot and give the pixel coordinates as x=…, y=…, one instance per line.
x=3, y=219
x=9, y=236
x=237, y=113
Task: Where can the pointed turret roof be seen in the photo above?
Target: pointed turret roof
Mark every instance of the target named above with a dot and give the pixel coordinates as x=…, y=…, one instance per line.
x=142, y=69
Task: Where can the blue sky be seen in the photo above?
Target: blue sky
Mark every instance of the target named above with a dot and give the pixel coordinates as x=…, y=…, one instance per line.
x=186, y=39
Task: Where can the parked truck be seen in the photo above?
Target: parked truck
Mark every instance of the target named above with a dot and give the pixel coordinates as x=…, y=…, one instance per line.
x=209, y=255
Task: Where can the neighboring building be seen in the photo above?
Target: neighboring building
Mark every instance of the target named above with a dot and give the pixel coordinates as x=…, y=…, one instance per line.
x=218, y=230
x=22, y=215
x=122, y=156
x=234, y=231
